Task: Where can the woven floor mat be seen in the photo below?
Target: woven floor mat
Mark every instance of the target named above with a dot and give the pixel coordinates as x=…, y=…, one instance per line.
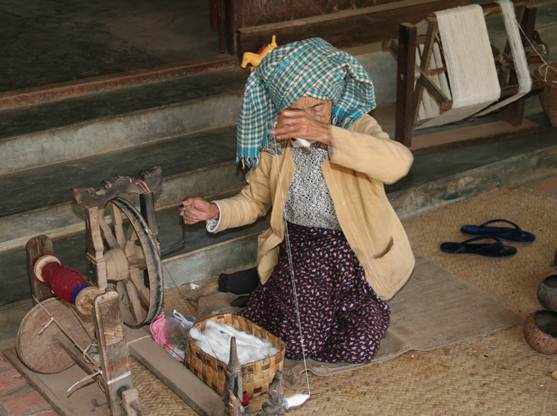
x=433, y=310
x=488, y=376
x=513, y=281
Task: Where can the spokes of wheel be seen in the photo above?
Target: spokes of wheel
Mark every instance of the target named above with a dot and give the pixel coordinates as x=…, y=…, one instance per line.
x=135, y=266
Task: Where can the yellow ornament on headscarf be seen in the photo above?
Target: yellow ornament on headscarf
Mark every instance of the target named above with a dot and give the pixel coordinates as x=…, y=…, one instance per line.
x=253, y=59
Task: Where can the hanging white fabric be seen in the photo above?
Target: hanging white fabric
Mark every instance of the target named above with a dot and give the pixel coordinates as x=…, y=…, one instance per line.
x=519, y=57
x=471, y=72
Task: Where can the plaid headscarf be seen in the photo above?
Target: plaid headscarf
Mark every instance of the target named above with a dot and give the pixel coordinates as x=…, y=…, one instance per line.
x=312, y=67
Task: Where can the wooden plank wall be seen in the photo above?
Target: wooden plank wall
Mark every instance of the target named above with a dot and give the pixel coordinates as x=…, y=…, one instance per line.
x=260, y=12
x=249, y=24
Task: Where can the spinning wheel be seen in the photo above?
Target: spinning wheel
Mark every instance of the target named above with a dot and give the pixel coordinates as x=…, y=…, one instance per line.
x=122, y=245
x=133, y=265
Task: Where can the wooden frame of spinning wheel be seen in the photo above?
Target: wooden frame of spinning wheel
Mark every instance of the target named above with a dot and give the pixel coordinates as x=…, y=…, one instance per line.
x=112, y=251
x=111, y=368
x=414, y=80
x=65, y=342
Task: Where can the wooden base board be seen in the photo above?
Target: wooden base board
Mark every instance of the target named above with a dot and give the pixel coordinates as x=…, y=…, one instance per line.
x=473, y=132
x=200, y=397
x=87, y=401
x=91, y=401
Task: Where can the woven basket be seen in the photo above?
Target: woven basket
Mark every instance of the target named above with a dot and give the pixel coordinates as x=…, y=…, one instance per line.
x=548, y=98
x=256, y=376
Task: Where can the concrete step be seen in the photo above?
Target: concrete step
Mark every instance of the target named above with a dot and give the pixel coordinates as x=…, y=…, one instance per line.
x=40, y=199
x=87, y=126
x=436, y=178
x=185, y=245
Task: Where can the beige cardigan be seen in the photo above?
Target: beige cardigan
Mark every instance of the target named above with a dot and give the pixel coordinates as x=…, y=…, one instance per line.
x=361, y=160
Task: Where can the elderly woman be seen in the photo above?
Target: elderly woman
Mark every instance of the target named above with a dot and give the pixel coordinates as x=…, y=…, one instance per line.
x=335, y=250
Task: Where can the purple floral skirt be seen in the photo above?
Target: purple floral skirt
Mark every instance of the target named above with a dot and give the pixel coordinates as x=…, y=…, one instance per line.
x=342, y=318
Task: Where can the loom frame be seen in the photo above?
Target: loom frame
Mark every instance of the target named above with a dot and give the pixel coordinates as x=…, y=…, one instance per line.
x=414, y=79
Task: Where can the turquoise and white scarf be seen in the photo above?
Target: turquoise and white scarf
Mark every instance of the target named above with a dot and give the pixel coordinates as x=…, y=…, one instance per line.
x=312, y=67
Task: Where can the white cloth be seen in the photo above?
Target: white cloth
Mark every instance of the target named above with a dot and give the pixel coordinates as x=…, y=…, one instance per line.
x=472, y=76
x=519, y=57
x=213, y=225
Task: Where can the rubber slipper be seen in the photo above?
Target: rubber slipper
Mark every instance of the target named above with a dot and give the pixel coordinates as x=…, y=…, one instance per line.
x=496, y=249
x=514, y=233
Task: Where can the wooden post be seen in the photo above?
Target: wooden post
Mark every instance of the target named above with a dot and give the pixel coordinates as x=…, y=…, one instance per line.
x=220, y=10
x=113, y=351
x=95, y=246
x=232, y=22
x=35, y=248
x=427, y=53
x=407, y=42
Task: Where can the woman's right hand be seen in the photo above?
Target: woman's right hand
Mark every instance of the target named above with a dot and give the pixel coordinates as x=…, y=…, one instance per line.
x=196, y=209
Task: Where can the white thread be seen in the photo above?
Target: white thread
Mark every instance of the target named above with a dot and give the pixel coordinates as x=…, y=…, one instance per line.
x=293, y=280
x=518, y=54
x=547, y=65
x=139, y=339
x=66, y=333
x=512, y=27
x=474, y=84
x=295, y=293
x=46, y=325
x=91, y=376
x=120, y=377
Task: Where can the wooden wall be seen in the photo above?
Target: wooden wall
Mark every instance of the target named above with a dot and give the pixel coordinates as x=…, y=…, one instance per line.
x=249, y=24
x=258, y=12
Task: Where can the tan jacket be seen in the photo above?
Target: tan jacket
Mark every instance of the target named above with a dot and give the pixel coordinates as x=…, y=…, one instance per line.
x=361, y=160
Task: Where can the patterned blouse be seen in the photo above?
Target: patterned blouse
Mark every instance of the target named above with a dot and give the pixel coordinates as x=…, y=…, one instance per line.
x=309, y=202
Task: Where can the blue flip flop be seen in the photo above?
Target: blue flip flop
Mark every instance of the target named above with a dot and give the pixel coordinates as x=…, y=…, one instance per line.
x=514, y=233
x=494, y=249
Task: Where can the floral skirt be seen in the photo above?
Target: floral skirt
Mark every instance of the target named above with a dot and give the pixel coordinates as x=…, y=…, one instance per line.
x=342, y=319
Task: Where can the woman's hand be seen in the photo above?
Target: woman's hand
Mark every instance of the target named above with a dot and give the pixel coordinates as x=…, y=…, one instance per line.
x=196, y=209
x=293, y=123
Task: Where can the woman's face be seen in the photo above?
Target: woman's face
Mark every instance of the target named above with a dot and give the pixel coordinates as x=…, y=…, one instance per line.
x=318, y=109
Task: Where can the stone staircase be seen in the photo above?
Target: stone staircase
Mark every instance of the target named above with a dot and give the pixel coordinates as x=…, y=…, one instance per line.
x=187, y=127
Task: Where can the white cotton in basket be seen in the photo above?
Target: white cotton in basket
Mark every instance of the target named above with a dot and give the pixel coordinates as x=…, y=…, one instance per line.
x=215, y=341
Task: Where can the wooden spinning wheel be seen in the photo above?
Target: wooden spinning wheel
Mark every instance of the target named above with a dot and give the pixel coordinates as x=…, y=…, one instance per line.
x=122, y=245
x=133, y=264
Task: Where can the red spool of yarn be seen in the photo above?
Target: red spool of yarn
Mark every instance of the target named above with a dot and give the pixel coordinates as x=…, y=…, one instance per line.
x=65, y=283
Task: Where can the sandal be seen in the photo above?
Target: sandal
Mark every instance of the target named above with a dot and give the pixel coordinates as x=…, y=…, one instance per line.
x=506, y=233
x=496, y=249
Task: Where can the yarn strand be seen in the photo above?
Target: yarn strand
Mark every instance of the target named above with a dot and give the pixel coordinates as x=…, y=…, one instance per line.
x=293, y=282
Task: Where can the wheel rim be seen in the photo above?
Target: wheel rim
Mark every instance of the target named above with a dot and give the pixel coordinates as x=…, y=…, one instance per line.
x=133, y=263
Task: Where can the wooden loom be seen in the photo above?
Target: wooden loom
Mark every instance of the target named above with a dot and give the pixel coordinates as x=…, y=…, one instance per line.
x=414, y=77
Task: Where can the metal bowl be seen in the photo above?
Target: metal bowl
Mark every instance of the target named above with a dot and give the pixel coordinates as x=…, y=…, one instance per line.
x=540, y=331
x=547, y=293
